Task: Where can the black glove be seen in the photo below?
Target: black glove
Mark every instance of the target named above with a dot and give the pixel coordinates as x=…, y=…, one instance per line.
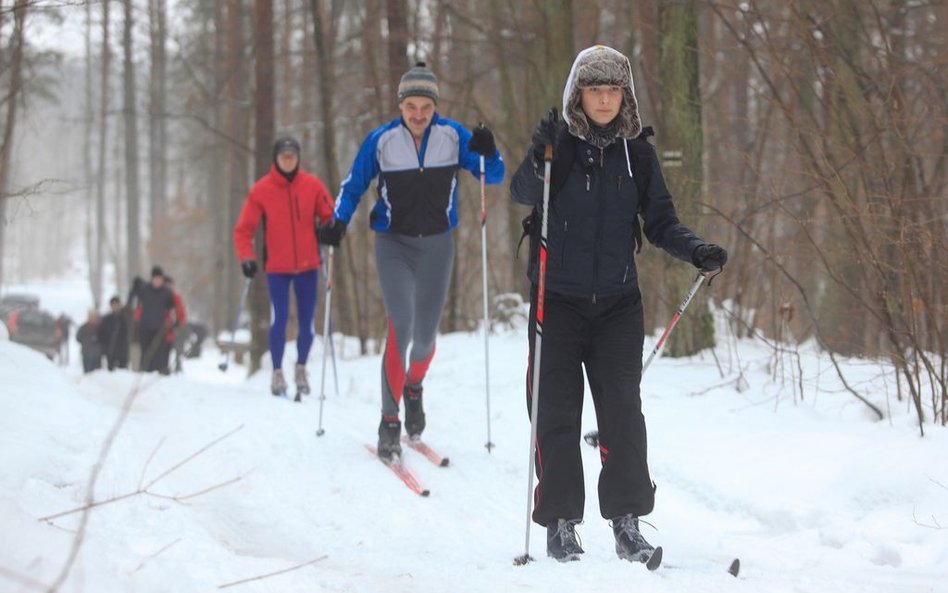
x=545, y=134
x=709, y=257
x=332, y=233
x=482, y=141
x=248, y=267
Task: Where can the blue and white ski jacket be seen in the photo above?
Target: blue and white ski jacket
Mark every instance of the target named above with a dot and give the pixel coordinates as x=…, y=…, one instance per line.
x=417, y=189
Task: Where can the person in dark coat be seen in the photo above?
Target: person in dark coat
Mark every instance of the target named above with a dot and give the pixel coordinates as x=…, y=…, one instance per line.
x=91, y=348
x=113, y=335
x=155, y=301
x=605, y=180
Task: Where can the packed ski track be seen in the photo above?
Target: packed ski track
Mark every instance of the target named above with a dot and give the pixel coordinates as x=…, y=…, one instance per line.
x=233, y=484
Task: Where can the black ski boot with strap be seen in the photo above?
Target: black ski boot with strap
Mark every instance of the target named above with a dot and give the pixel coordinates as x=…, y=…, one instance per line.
x=390, y=447
x=630, y=544
x=562, y=543
x=414, y=411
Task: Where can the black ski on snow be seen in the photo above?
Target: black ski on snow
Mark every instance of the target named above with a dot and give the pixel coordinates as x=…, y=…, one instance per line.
x=403, y=473
x=735, y=568
x=655, y=560
x=429, y=453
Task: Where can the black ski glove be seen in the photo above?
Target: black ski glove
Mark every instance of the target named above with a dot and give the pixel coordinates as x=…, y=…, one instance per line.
x=482, y=141
x=332, y=233
x=709, y=257
x=248, y=267
x=545, y=134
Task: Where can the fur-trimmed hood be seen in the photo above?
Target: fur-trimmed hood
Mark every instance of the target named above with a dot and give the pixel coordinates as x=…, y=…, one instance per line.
x=601, y=66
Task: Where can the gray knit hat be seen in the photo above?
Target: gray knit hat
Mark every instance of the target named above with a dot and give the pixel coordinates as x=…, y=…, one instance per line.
x=601, y=66
x=418, y=82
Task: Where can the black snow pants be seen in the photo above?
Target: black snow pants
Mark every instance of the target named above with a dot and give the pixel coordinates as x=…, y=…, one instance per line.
x=606, y=337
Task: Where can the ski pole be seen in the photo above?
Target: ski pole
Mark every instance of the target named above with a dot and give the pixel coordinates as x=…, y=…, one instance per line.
x=674, y=320
x=332, y=354
x=326, y=338
x=484, y=291
x=537, y=341
x=592, y=437
x=233, y=332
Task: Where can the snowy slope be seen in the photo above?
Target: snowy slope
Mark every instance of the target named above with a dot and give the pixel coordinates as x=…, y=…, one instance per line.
x=811, y=495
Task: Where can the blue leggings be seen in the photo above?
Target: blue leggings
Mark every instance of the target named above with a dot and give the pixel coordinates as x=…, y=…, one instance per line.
x=304, y=285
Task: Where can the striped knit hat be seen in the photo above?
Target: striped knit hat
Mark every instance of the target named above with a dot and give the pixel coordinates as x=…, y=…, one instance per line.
x=418, y=82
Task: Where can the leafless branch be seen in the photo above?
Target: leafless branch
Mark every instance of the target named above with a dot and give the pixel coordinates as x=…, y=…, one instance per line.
x=22, y=579
x=934, y=524
x=272, y=574
x=145, y=490
x=155, y=555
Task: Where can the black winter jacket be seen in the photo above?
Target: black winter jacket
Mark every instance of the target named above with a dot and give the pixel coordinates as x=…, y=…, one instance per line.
x=154, y=303
x=113, y=335
x=596, y=199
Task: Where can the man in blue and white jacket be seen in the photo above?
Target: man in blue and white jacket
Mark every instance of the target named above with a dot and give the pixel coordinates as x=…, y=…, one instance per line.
x=415, y=158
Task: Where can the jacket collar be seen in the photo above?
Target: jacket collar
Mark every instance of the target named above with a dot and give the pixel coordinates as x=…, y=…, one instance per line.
x=278, y=177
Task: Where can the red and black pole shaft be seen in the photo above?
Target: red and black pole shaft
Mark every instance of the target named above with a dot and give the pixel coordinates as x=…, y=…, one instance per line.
x=537, y=350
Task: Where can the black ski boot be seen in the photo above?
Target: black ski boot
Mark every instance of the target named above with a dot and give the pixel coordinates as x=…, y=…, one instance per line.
x=414, y=412
x=562, y=543
x=390, y=447
x=630, y=544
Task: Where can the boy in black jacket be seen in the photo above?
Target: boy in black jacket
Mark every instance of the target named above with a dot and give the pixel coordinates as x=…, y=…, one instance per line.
x=113, y=335
x=604, y=178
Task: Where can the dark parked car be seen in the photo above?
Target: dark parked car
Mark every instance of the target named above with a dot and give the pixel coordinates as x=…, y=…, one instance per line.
x=27, y=324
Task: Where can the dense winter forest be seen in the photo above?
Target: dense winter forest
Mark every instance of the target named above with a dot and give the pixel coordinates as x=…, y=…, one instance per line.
x=808, y=137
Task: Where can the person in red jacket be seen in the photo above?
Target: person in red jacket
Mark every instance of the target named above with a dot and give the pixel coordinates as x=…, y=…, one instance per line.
x=293, y=203
x=176, y=329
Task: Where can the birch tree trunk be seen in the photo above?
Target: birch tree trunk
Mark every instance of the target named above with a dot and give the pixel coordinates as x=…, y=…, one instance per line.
x=130, y=113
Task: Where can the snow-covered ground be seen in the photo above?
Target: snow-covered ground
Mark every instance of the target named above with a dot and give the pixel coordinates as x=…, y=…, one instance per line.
x=234, y=484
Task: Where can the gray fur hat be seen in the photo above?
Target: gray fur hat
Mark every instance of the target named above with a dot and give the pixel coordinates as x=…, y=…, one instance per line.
x=601, y=66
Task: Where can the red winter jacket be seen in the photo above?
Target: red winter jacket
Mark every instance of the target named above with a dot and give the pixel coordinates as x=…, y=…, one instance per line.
x=290, y=211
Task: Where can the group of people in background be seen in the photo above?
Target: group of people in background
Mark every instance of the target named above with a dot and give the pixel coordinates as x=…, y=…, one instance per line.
x=605, y=188
x=153, y=318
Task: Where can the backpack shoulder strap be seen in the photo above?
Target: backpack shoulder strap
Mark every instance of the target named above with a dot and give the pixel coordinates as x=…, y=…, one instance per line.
x=640, y=149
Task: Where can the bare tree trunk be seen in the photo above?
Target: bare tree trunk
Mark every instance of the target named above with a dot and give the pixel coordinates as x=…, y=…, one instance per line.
x=224, y=303
x=157, y=126
x=397, y=16
x=234, y=73
x=6, y=144
x=682, y=133
x=263, y=140
x=88, y=124
x=373, y=49
x=104, y=98
x=324, y=41
x=130, y=112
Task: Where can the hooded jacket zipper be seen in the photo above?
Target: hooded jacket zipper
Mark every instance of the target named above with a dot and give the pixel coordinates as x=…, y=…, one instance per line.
x=598, y=236
x=294, y=205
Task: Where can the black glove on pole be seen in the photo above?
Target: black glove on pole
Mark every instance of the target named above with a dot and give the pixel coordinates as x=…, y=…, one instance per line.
x=482, y=141
x=332, y=233
x=249, y=268
x=545, y=135
x=709, y=257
